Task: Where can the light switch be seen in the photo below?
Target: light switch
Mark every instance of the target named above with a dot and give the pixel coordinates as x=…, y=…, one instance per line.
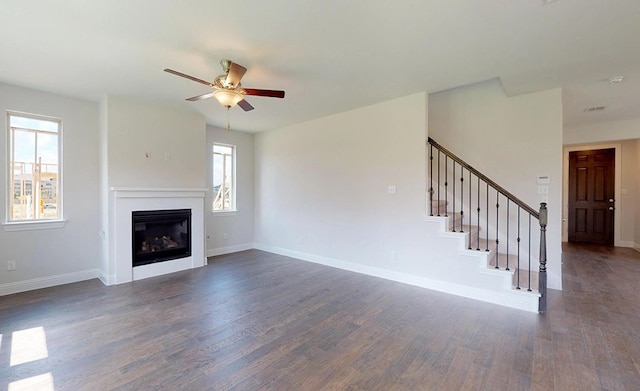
x=543, y=180
x=392, y=189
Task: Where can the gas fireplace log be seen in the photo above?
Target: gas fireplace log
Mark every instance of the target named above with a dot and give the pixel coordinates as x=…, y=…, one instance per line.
x=157, y=244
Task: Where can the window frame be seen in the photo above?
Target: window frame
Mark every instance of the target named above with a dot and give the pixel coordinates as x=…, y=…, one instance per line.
x=234, y=190
x=9, y=224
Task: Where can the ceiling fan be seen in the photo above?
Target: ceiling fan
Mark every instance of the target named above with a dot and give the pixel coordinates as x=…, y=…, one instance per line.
x=227, y=89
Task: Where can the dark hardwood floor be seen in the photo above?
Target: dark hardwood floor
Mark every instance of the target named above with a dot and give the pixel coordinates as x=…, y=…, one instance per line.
x=254, y=321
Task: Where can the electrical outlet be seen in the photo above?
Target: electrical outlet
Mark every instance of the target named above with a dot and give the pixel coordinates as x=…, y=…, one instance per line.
x=11, y=265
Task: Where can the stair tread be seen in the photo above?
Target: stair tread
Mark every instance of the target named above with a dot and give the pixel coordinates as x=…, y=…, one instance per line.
x=483, y=244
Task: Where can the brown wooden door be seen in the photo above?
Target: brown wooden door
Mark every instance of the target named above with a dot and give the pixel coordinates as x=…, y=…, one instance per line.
x=591, y=196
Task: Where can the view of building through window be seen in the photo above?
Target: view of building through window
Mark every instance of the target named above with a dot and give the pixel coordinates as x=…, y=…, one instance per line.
x=223, y=177
x=34, y=164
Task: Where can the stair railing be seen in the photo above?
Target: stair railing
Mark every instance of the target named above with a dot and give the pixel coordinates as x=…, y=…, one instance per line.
x=474, y=201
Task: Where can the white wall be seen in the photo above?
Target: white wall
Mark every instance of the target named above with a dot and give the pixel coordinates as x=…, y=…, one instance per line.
x=152, y=145
x=322, y=186
x=105, y=198
x=602, y=132
x=54, y=256
x=238, y=225
x=512, y=140
x=626, y=200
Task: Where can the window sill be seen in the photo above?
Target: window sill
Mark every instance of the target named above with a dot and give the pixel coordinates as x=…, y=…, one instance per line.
x=33, y=225
x=223, y=212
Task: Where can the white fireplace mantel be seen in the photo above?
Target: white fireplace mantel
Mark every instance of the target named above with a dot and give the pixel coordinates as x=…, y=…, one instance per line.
x=124, y=201
x=151, y=192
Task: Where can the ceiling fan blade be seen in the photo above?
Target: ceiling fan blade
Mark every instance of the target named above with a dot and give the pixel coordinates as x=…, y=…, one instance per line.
x=246, y=106
x=236, y=72
x=268, y=93
x=188, y=77
x=200, y=97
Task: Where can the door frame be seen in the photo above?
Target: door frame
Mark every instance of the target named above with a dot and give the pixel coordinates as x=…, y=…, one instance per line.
x=618, y=188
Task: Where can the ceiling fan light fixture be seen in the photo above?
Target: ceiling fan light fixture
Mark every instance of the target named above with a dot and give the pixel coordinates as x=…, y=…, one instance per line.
x=228, y=98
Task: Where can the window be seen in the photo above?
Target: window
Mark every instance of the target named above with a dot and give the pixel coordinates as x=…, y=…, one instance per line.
x=33, y=168
x=224, y=186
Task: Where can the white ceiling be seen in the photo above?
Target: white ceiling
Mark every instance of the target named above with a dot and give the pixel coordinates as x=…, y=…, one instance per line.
x=329, y=56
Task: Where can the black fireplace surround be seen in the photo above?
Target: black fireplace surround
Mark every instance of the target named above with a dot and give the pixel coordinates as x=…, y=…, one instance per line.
x=160, y=235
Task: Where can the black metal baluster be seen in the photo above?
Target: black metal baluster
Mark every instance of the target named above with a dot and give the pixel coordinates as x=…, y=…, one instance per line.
x=462, y=199
x=508, y=224
x=487, y=243
x=518, y=259
x=453, y=178
x=470, y=210
x=478, y=246
x=431, y=179
x=438, y=183
x=497, y=230
x=529, y=284
x=446, y=185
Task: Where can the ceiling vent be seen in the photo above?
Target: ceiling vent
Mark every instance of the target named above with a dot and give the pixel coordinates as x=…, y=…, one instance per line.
x=593, y=109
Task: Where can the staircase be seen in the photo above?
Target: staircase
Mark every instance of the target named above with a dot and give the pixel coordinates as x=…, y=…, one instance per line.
x=495, y=235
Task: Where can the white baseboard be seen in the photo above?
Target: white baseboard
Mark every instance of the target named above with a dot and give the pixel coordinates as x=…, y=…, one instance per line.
x=229, y=249
x=106, y=279
x=521, y=300
x=625, y=243
x=46, y=282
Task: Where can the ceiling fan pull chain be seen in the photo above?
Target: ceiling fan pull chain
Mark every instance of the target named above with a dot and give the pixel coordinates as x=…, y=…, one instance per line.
x=228, y=120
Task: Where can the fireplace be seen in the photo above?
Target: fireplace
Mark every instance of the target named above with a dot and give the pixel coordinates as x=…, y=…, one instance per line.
x=160, y=235
x=124, y=203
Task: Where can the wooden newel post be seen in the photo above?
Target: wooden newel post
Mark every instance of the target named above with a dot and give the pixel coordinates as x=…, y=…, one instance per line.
x=542, y=280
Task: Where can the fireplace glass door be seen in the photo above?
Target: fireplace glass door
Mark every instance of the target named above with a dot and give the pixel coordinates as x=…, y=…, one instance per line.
x=161, y=235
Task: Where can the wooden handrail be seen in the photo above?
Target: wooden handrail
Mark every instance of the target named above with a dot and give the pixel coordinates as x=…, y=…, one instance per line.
x=493, y=184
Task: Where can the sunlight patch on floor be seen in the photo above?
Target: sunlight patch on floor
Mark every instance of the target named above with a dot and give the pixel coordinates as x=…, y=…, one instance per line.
x=28, y=345
x=42, y=382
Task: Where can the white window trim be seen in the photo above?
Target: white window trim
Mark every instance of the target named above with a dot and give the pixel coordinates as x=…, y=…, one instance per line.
x=224, y=212
x=29, y=225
